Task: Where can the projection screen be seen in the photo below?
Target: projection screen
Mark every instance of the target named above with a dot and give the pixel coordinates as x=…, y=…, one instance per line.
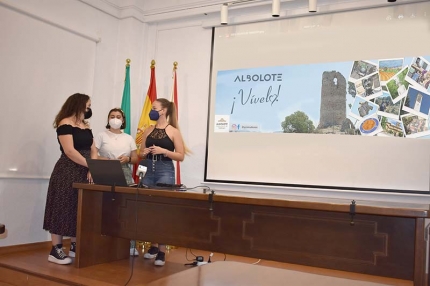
x=326, y=101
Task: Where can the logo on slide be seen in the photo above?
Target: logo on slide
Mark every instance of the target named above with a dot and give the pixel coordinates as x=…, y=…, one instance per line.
x=222, y=123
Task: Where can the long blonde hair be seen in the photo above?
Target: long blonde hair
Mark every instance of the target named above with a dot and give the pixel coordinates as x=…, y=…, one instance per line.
x=172, y=117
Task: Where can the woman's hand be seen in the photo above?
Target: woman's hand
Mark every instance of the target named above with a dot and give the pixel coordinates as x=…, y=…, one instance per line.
x=90, y=178
x=145, y=152
x=156, y=150
x=124, y=159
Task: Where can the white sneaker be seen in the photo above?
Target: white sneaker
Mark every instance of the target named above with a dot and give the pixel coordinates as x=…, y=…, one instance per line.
x=58, y=256
x=152, y=253
x=72, y=251
x=134, y=252
x=160, y=260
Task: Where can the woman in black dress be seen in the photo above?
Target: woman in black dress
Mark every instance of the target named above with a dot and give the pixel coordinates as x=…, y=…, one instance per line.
x=76, y=144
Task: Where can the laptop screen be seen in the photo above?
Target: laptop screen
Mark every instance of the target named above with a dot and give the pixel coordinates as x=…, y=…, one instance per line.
x=107, y=172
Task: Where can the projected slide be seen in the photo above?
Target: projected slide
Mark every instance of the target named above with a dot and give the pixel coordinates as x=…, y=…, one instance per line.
x=330, y=101
x=383, y=97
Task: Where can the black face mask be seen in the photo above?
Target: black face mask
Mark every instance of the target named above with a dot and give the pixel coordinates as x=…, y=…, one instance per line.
x=88, y=113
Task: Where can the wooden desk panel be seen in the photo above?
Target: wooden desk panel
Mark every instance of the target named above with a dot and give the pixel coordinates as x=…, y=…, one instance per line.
x=92, y=247
x=389, y=242
x=167, y=220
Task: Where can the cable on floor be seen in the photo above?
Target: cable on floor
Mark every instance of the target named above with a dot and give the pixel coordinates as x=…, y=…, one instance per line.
x=135, y=235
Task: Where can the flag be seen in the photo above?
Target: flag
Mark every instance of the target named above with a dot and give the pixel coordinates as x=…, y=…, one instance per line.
x=144, y=121
x=125, y=104
x=175, y=100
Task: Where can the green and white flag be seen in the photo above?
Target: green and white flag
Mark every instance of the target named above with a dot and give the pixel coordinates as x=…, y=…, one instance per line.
x=125, y=104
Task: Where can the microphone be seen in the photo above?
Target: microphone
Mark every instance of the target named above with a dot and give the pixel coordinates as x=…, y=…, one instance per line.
x=141, y=171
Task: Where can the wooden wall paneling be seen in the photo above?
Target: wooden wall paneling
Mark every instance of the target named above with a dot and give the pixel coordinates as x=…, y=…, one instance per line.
x=420, y=253
x=374, y=245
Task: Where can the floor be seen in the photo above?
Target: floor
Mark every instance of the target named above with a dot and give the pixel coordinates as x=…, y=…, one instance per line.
x=141, y=271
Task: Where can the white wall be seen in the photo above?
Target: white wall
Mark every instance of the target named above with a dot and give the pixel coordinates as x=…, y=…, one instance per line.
x=143, y=35
x=22, y=200
x=190, y=46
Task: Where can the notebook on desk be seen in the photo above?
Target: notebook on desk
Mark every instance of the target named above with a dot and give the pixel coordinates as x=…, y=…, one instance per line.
x=107, y=172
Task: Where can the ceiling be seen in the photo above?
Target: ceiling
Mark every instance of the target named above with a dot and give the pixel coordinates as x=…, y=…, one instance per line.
x=209, y=10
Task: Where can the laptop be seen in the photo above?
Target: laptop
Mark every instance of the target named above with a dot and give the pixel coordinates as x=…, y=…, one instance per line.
x=107, y=172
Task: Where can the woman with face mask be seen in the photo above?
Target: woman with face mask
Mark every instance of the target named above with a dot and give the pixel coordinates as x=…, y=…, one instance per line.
x=76, y=145
x=113, y=144
x=162, y=143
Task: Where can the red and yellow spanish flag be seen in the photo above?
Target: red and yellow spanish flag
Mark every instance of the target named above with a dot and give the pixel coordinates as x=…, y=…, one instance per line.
x=144, y=121
x=175, y=100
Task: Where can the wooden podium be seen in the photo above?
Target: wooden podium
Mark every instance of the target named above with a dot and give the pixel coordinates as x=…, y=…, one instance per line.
x=385, y=239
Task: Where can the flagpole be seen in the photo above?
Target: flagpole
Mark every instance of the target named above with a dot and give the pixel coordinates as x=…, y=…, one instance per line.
x=145, y=121
x=175, y=100
x=127, y=64
x=125, y=103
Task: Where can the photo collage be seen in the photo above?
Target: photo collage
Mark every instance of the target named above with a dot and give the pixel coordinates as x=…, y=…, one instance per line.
x=391, y=97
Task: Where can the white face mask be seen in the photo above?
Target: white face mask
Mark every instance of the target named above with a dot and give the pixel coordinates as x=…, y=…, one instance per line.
x=115, y=123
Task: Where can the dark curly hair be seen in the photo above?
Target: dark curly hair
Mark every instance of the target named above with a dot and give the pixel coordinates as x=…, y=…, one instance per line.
x=75, y=105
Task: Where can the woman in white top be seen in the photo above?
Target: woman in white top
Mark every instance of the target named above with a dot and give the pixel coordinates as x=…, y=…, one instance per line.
x=113, y=144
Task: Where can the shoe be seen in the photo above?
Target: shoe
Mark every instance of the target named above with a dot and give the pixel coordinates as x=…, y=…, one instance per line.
x=152, y=252
x=72, y=251
x=134, y=252
x=58, y=256
x=160, y=260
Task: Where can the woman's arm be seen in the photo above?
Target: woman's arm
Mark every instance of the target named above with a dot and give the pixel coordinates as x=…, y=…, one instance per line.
x=178, y=154
x=133, y=157
x=94, y=155
x=66, y=142
x=98, y=144
x=94, y=151
x=143, y=150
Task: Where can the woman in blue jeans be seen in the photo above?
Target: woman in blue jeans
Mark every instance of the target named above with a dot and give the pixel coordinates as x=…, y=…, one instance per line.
x=163, y=143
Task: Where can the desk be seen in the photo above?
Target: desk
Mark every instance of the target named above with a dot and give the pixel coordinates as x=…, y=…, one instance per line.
x=387, y=239
x=238, y=274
